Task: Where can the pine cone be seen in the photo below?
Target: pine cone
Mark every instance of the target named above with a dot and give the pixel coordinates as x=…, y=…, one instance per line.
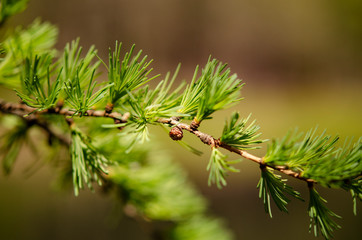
x=176, y=133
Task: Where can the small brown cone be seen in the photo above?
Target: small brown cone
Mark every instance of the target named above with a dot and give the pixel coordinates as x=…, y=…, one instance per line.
x=176, y=133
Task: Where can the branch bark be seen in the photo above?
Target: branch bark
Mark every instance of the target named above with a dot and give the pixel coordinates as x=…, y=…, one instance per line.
x=210, y=140
x=21, y=110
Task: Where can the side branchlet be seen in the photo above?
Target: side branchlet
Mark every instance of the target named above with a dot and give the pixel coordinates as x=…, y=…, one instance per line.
x=237, y=134
x=222, y=89
x=45, y=94
x=219, y=167
x=273, y=186
x=127, y=75
x=320, y=216
x=87, y=163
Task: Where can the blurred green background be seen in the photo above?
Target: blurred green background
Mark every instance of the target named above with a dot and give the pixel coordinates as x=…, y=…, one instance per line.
x=302, y=65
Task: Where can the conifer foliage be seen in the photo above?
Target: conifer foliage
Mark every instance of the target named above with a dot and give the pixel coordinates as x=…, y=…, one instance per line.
x=104, y=127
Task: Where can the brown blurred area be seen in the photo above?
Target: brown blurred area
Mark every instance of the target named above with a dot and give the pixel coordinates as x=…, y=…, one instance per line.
x=302, y=65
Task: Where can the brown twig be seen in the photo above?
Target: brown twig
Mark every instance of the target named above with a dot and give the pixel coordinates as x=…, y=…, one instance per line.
x=210, y=140
x=22, y=109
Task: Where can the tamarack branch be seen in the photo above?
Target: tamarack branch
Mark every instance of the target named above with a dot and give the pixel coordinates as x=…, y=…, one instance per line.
x=65, y=86
x=27, y=112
